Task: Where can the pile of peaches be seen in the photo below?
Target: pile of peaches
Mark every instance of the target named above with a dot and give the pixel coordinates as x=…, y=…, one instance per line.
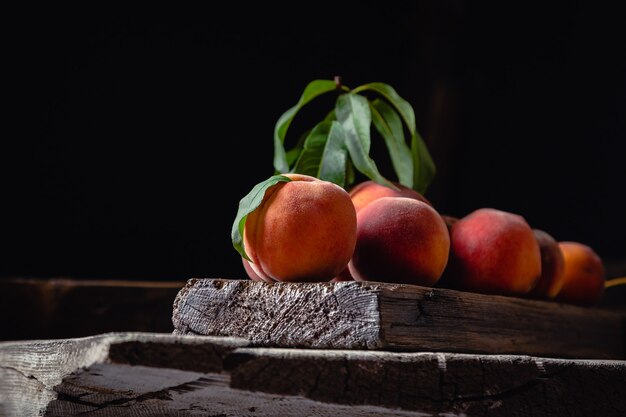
x=311, y=230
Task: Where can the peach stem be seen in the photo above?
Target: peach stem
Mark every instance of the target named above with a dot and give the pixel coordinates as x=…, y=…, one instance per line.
x=615, y=281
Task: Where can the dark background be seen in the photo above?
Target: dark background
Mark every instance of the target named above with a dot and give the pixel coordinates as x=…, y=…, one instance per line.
x=132, y=135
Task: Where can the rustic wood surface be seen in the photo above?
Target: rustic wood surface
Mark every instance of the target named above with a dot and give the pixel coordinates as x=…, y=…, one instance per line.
x=371, y=315
x=134, y=374
x=30, y=370
x=447, y=384
x=65, y=308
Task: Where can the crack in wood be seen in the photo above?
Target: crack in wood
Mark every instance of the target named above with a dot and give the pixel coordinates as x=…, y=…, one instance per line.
x=346, y=380
x=249, y=381
x=162, y=394
x=29, y=377
x=441, y=368
x=510, y=392
x=434, y=382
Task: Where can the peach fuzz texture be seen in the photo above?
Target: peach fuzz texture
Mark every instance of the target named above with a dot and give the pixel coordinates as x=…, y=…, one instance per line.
x=493, y=252
x=367, y=191
x=400, y=240
x=304, y=230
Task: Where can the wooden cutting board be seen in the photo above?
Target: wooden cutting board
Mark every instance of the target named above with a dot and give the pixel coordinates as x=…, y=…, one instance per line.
x=381, y=316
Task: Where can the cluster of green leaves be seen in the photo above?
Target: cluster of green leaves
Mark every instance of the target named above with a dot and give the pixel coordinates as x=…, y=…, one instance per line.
x=340, y=143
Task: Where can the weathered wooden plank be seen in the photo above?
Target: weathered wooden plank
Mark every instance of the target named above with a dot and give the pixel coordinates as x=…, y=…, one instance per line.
x=29, y=370
x=372, y=315
x=437, y=383
x=121, y=390
x=63, y=308
x=153, y=374
x=318, y=315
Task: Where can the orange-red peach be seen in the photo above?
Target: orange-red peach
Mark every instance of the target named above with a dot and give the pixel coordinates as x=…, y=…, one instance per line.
x=493, y=252
x=303, y=230
x=552, y=266
x=400, y=240
x=583, y=275
x=367, y=191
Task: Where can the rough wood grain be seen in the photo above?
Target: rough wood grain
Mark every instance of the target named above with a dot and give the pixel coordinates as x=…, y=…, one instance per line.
x=371, y=315
x=318, y=315
x=154, y=374
x=29, y=370
x=437, y=383
x=122, y=390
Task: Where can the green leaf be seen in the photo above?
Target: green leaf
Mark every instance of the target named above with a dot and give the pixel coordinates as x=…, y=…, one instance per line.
x=324, y=155
x=389, y=125
x=314, y=89
x=424, y=169
x=423, y=164
x=293, y=154
x=388, y=92
x=247, y=205
x=350, y=174
x=353, y=112
x=331, y=116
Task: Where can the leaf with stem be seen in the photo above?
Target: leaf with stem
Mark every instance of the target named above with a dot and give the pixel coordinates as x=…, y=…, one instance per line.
x=423, y=165
x=314, y=89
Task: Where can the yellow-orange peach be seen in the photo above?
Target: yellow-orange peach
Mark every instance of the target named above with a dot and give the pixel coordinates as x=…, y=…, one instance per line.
x=552, y=265
x=400, y=240
x=583, y=275
x=494, y=252
x=367, y=191
x=303, y=230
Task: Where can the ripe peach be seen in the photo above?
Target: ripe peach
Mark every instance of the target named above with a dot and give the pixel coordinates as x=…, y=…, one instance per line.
x=583, y=275
x=400, y=240
x=494, y=252
x=552, y=265
x=367, y=191
x=303, y=230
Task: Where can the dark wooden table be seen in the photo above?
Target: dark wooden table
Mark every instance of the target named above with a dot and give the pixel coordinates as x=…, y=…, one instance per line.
x=213, y=347
x=148, y=374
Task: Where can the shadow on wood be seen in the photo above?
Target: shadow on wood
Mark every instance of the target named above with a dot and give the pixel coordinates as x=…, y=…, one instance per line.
x=132, y=374
x=63, y=308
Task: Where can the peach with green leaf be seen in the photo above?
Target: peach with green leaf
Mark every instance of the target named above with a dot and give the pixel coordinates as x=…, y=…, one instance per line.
x=295, y=227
